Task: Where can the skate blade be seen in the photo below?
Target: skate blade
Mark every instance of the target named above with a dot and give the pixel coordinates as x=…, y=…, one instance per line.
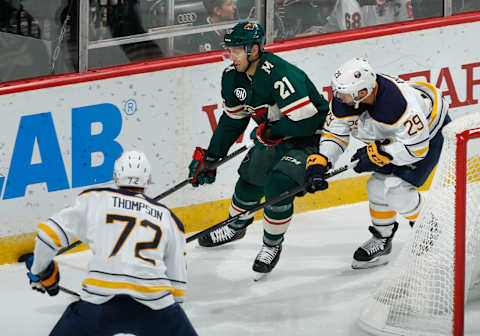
x=257, y=276
x=375, y=262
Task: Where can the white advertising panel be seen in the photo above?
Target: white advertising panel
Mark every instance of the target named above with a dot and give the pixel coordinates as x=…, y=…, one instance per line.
x=56, y=142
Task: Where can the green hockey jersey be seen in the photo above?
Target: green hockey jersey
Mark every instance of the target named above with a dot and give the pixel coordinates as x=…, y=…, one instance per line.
x=278, y=93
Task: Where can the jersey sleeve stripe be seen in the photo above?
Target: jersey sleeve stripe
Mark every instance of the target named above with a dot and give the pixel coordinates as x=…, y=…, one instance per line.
x=47, y=230
x=411, y=153
x=332, y=136
x=347, y=135
x=421, y=152
x=61, y=229
x=46, y=243
x=235, y=109
x=435, y=101
x=336, y=143
x=296, y=105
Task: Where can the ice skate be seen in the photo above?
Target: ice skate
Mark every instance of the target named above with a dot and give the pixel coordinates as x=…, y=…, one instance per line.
x=220, y=236
x=266, y=260
x=375, y=251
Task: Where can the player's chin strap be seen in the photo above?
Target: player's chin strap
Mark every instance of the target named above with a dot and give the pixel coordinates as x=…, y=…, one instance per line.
x=248, y=51
x=358, y=101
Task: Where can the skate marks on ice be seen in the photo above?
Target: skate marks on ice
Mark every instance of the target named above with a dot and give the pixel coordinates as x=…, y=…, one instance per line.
x=312, y=289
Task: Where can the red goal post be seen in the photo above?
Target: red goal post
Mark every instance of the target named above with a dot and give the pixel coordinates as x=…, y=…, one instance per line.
x=424, y=293
x=460, y=225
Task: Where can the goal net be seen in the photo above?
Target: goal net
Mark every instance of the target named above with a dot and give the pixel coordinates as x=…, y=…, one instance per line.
x=439, y=264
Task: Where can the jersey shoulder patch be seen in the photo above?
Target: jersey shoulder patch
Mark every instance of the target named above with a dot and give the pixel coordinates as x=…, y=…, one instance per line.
x=390, y=103
x=341, y=110
x=274, y=66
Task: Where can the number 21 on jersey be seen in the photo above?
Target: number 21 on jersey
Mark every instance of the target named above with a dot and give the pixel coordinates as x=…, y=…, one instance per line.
x=286, y=88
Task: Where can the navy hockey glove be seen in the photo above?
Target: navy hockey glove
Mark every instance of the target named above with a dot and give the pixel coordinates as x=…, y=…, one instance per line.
x=372, y=158
x=316, y=168
x=261, y=134
x=198, y=170
x=47, y=281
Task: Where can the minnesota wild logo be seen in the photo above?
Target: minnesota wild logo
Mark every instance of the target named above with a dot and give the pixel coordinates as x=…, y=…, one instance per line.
x=250, y=110
x=250, y=26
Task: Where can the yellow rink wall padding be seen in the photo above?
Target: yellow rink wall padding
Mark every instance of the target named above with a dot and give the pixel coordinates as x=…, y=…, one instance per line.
x=201, y=216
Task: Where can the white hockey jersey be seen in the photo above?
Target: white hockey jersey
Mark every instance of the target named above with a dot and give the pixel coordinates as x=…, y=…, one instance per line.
x=409, y=114
x=138, y=246
x=348, y=14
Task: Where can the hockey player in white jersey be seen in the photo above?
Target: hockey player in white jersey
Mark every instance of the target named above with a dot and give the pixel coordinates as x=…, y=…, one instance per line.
x=400, y=123
x=137, y=274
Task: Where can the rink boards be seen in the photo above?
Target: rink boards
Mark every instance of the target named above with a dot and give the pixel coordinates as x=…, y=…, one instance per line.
x=62, y=135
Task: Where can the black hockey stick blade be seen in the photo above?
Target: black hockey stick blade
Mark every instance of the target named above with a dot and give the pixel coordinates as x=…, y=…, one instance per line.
x=68, y=291
x=211, y=166
x=274, y=200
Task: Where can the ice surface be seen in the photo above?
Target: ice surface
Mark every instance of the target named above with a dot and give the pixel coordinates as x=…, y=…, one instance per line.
x=312, y=291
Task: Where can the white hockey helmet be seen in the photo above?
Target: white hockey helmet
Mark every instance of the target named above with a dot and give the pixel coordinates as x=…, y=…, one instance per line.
x=352, y=77
x=132, y=169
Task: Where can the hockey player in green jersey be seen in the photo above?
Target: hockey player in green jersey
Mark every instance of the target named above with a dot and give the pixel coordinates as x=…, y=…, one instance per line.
x=288, y=110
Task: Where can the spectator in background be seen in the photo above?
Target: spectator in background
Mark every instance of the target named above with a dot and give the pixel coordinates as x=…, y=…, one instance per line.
x=293, y=18
x=112, y=19
x=23, y=50
x=297, y=18
x=217, y=11
x=354, y=14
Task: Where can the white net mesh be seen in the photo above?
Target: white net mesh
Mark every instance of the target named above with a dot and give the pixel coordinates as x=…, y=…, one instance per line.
x=417, y=297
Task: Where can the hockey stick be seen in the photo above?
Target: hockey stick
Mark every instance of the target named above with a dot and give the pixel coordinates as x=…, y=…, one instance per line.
x=274, y=200
x=180, y=185
x=210, y=166
x=68, y=291
x=25, y=256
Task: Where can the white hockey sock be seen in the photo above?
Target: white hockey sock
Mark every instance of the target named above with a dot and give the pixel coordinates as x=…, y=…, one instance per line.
x=385, y=230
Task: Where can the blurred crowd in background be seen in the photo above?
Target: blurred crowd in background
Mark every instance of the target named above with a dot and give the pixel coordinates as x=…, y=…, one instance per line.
x=39, y=38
